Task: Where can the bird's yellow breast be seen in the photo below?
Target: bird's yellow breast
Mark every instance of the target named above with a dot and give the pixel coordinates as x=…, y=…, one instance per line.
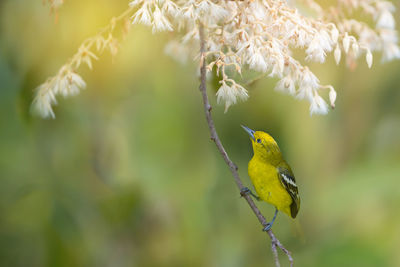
x=269, y=188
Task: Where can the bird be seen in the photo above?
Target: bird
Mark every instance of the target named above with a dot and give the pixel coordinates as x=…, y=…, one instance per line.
x=271, y=176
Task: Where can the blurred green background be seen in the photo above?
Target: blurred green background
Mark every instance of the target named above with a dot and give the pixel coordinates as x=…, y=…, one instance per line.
x=126, y=175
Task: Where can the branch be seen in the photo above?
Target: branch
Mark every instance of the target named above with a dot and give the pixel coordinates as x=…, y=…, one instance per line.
x=232, y=166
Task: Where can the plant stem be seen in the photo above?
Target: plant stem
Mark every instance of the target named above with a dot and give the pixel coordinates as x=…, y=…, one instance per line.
x=232, y=166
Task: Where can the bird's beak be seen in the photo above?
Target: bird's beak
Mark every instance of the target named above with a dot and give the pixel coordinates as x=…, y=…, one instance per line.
x=249, y=131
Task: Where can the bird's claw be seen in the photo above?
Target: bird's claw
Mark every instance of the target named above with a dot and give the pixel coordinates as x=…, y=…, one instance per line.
x=246, y=191
x=267, y=227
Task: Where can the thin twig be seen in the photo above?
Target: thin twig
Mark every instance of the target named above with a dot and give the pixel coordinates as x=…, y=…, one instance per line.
x=275, y=252
x=232, y=166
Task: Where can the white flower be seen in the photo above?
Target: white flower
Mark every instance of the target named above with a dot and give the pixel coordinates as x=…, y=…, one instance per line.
x=203, y=7
x=385, y=20
x=355, y=47
x=160, y=22
x=67, y=83
x=369, y=58
x=390, y=51
x=315, y=51
x=318, y=106
x=346, y=43
x=85, y=55
x=332, y=96
x=170, y=8
x=335, y=34
x=135, y=3
x=188, y=13
x=277, y=68
x=217, y=12
x=287, y=85
x=301, y=38
x=230, y=94
x=257, y=62
x=337, y=54
x=308, y=79
x=305, y=93
x=73, y=84
x=142, y=16
x=43, y=102
x=390, y=48
x=320, y=44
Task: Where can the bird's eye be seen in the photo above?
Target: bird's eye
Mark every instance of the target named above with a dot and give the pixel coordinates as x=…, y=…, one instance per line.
x=259, y=141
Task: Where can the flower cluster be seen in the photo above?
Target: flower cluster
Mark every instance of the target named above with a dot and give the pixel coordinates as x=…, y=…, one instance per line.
x=67, y=82
x=261, y=35
x=381, y=36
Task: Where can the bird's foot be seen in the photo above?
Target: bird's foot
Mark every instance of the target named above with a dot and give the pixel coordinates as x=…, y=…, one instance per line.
x=246, y=191
x=267, y=227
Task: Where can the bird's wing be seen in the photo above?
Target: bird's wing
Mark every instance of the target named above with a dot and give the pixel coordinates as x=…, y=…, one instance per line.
x=288, y=181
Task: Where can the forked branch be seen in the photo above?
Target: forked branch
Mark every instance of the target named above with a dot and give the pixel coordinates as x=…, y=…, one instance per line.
x=232, y=166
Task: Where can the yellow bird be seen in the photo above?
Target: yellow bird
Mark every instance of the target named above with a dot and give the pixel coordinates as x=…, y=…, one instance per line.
x=271, y=176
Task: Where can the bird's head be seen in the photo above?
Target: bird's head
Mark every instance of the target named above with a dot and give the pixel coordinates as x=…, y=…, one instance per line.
x=264, y=146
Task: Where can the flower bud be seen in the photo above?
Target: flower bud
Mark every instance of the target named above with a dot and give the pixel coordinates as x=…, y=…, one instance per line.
x=332, y=97
x=369, y=58
x=337, y=54
x=346, y=43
